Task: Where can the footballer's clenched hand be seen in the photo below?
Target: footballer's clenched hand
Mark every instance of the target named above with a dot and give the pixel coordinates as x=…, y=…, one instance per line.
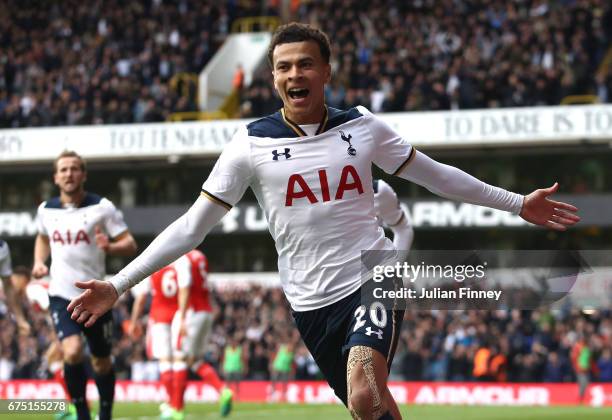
x=97, y=299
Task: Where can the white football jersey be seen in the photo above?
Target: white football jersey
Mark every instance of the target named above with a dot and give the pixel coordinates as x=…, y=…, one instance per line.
x=71, y=231
x=316, y=192
x=5, y=260
x=37, y=293
x=387, y=205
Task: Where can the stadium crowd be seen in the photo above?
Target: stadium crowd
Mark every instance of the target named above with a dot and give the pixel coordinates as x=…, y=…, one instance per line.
x=514, y=346
x=455, y=54
x=106, y=62
x=71, y=63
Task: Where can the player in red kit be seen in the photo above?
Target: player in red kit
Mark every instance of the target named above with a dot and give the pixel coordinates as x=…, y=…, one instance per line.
x=163, y=287
x=192, y=326
x=186, y=311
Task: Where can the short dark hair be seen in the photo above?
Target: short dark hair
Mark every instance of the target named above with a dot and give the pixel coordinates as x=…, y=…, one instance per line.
x=70, y=153
x=299, y=32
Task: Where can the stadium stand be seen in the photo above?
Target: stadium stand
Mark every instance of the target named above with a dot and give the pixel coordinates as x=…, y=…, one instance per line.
x=67, y=63
x=439, y=55
x=106, y=62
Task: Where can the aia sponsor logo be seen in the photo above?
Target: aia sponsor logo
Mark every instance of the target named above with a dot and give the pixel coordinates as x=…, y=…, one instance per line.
x=70, y=238
x=298, y=188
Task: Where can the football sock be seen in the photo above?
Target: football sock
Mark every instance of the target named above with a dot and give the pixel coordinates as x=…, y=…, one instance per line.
x=76, y=381
x=179, y=371
x=208, y=374
x=166, y=377
x=106, y=389
x=57, y=369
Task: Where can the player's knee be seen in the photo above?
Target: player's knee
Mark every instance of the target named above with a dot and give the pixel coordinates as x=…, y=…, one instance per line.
x=54, y=353
x=72, y=349
x=365, y=397
x=101, y=365
x=179, y=356
x=360, y=402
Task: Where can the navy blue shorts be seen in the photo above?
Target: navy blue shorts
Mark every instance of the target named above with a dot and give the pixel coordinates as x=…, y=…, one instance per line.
x=331, y=331
x=99, y=335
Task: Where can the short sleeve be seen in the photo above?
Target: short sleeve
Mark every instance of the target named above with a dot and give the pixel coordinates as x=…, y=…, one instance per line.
x=232, y=172
x=113, y=219
x=40, y=223
x=5, y=260
x=392, y=153
x=182, y=266
x=388, y=205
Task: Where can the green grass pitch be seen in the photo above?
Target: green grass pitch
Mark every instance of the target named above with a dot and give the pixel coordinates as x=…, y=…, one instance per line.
x=149, y=411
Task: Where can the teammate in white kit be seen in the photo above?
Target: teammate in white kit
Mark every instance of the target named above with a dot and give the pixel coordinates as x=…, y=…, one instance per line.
x=78, y=229
x=390, y=215
x=34, y=294
x=310, y=169
x=6, y=271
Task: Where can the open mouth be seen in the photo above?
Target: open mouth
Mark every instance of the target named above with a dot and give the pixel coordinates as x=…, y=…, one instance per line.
x=298, y=93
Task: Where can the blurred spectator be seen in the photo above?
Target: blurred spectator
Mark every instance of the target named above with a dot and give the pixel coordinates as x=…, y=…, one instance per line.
x=259, y=364
x=238, y=80
x=604, y=366
x=581, y=362
x=555, y=370
x=459, y=366
x=27, y=361
x=481, y=364
x=233, y=363
x=305, y=365
x=282, y=368
x=412, y=362
x=498, y=364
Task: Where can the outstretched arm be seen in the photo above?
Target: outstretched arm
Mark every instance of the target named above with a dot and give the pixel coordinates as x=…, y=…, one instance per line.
x=450, y=182
x=180, y=237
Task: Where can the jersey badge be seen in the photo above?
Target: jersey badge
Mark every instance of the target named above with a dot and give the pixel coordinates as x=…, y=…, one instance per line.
x=351, y=150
